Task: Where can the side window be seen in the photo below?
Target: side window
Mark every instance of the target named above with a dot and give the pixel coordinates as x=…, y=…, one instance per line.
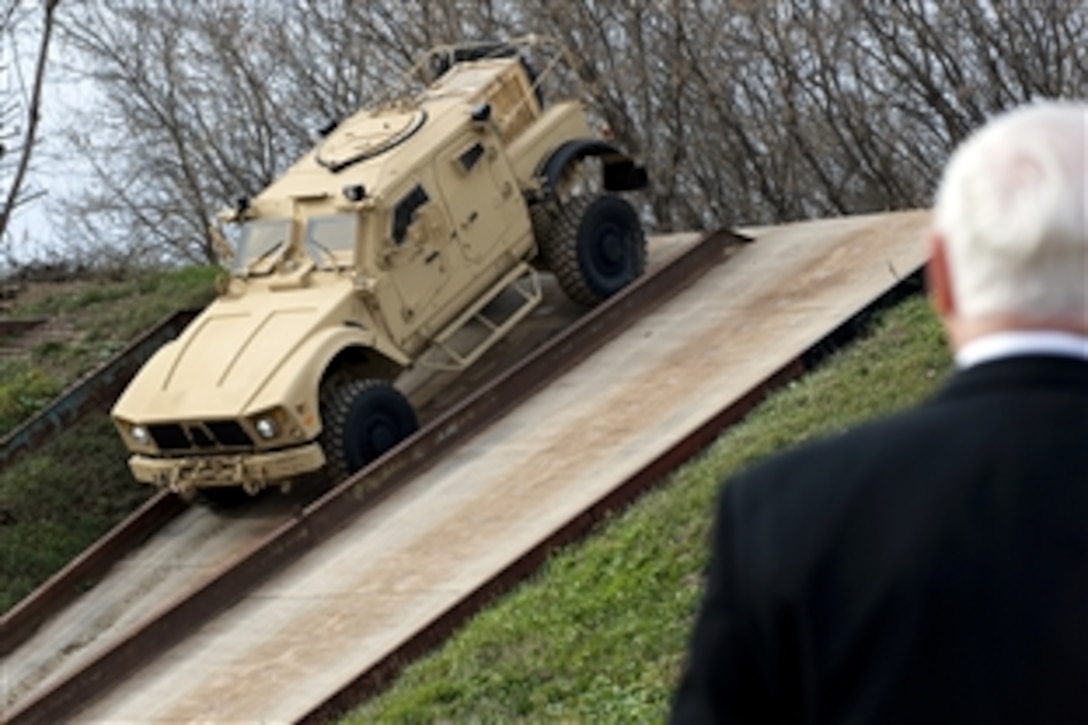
x=470, y=156
x=405, y=209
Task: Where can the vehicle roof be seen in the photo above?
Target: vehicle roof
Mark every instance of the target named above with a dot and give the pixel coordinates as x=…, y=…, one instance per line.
x=387, y=142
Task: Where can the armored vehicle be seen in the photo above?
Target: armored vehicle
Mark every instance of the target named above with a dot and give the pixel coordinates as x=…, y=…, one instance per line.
x=395, y=233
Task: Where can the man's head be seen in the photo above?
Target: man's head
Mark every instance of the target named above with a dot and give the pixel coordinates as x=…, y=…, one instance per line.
x=1010, y=230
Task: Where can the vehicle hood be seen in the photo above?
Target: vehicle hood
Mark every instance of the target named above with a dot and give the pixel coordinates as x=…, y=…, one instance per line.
x=224, y=358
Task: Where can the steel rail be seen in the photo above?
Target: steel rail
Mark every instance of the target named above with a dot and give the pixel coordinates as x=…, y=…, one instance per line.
x=57, y=592
x=321, y=519
x=382, y=673
x=93, y=392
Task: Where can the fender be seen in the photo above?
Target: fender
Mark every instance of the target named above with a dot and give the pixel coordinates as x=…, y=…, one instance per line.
x=318, y=352
x=621, y=173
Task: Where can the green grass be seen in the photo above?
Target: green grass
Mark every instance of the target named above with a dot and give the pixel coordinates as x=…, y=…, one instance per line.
x=24, y=390
x=599, y=634
x=104, y=316
x=57, y=501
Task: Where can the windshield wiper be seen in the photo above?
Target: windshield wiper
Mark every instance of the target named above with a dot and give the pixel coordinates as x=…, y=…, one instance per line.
x=333, y=261
x=263, y=256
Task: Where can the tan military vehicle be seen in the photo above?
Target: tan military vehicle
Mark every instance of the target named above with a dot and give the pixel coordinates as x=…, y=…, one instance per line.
x=370, y=255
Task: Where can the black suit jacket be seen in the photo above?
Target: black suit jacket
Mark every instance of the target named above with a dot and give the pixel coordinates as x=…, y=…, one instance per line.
x=930, y=567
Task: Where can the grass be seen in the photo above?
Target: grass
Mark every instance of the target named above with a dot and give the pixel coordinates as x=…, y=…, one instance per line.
x=24, y=390
x=103, y=315
x=57, y=501
x=599, y=634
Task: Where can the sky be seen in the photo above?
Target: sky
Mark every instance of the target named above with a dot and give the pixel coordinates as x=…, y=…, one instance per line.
x=31, y=225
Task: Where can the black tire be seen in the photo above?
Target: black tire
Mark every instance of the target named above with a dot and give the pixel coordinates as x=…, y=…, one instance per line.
x=361, y=420
x=593, y=245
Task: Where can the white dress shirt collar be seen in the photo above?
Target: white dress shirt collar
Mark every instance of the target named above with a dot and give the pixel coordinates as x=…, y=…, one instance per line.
x=1020, y=343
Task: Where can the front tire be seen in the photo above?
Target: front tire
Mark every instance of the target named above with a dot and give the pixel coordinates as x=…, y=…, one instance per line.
x=361, y=420
x=594, y=245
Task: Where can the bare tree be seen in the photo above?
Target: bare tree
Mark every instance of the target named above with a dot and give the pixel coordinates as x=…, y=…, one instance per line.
x=13, y=14
x=745, y=112
x=207, y=102
x=188, y=119
x=763, y=112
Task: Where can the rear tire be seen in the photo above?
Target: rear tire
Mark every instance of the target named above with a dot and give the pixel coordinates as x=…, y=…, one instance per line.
x=593, y=245
x=361, y=420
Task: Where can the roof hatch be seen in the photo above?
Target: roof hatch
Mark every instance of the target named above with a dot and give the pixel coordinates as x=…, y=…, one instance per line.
x=367, y=135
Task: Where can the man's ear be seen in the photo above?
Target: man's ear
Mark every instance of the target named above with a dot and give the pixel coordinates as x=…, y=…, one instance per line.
x=939, y=278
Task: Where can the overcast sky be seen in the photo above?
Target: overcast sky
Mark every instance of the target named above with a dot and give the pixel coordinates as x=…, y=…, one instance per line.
x=31, y=228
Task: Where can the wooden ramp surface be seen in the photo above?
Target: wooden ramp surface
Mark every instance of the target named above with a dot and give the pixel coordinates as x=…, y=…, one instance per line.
x=312, y=628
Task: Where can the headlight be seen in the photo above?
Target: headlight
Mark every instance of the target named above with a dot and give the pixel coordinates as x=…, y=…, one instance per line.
x=140, y=435
x=266, y=428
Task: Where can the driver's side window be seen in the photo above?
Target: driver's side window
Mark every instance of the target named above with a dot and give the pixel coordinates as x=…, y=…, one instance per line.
x=405, y=211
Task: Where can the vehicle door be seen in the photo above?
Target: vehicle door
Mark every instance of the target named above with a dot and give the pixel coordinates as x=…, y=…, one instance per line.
x=482, y=194
x=417, y=248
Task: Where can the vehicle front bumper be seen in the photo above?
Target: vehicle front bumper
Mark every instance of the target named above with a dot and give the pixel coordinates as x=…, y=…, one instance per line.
x=252, y=471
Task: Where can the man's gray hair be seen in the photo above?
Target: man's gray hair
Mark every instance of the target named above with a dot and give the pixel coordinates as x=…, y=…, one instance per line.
x=1012, y=207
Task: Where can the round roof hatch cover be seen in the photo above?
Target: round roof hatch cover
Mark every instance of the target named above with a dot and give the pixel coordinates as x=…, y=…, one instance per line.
x=365, y=136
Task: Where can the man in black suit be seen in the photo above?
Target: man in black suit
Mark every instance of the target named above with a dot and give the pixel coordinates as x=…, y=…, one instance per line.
x=933, y=566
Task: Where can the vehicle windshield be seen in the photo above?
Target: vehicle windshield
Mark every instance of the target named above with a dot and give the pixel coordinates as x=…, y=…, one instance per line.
x=258, y=243
x=330, y=240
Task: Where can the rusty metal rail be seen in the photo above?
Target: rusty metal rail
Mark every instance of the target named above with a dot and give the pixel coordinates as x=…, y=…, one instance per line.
x=93, y=392
x=382, y=673
x=97, y=389
x=21, y=621
x=321, y=519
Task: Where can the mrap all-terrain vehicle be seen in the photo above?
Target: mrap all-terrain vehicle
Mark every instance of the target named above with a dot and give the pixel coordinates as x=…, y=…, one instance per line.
x=372, y=252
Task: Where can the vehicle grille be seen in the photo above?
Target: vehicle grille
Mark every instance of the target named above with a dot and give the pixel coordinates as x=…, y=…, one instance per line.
x=205, y=435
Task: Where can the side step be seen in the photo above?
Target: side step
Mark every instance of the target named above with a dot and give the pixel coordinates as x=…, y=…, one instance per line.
x=485, y=322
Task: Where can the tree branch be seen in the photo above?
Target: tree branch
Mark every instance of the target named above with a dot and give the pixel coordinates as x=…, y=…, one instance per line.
x=33, y=116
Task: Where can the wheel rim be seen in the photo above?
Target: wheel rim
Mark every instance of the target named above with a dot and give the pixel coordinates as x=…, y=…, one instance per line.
x=610, y=252
x=382, y=434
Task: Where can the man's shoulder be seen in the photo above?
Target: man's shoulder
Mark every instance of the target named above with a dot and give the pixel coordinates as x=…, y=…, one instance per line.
x=913, y=459
x=822, y=478
x=786, y=514
x=869, y=443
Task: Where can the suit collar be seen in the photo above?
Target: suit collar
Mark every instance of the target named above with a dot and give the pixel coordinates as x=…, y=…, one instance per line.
x=1019, y=373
